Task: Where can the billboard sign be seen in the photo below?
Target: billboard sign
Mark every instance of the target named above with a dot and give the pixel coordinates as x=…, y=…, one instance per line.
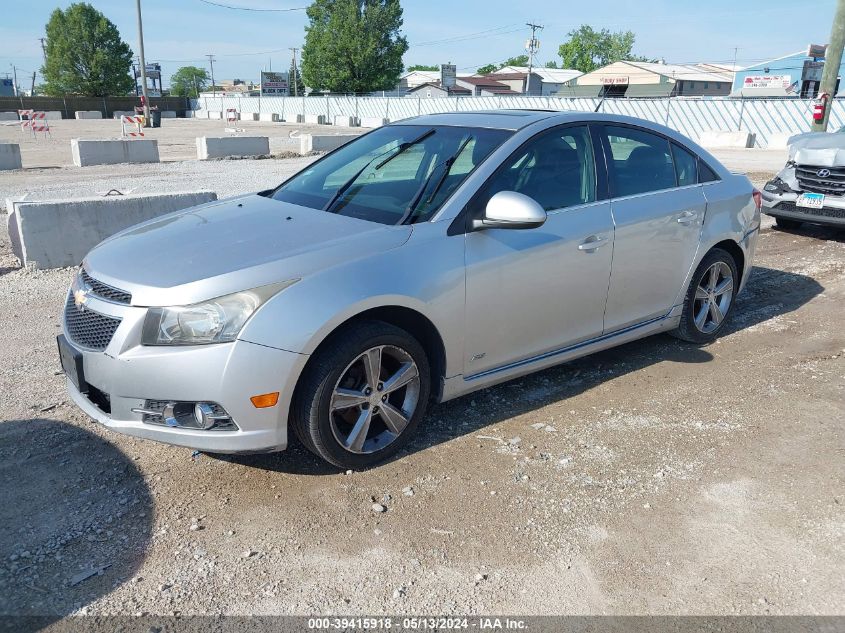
x=812, y=71
x=817, y=51
x=274, y=84
x=448, y=75
x=766, y=82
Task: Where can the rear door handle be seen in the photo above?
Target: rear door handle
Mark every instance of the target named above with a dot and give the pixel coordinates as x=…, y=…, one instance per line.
x=592, y=243
x=687, y=217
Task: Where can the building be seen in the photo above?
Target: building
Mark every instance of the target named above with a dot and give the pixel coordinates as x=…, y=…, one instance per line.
x=544, y=81
x=484, y=86
x=7, y=87
x=649, y=79
x=416, y=78
x=793, y=75
x=433, y=90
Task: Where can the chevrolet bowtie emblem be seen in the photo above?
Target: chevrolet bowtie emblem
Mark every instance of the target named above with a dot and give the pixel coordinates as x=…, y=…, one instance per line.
x=80, y=296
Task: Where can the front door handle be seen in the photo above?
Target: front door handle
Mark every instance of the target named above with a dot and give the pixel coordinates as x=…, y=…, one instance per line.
x=592, y=243
x=687, y=217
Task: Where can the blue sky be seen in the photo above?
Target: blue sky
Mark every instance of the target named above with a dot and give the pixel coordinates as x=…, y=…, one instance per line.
x=181, y=32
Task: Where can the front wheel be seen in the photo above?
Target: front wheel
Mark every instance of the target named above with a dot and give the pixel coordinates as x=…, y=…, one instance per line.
x=709, y=299
x=363, y=395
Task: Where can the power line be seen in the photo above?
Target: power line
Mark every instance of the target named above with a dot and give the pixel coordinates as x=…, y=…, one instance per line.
x=227, y=6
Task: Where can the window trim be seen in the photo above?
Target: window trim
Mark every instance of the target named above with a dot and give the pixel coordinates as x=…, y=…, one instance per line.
x=461, y=225
x=608, y=153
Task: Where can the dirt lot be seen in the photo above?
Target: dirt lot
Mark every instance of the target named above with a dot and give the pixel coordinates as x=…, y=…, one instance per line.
x=176, y=137
x=655, y=478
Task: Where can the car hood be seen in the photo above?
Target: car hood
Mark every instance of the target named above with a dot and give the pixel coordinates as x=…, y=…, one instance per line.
x=232, y=245
x=824, y=149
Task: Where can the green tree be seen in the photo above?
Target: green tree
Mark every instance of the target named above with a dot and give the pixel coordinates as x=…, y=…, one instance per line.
x=551, y=64
x=353, y=45
x=423, y=67
x=519, y=60
x=588, y=49
x=189, y=81
x=85, y=54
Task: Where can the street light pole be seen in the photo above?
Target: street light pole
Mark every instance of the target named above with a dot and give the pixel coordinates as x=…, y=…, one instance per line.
x=832, y=61
x=143, y=64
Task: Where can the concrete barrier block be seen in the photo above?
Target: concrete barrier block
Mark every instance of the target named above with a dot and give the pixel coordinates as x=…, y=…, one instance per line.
x=9, y=116
x=722, y=138
x=779, y=141
x=315, y=119
x=224, y=147
x=293, y=118
x=111, y=152
x=168, y=114
x=192, y=114
x=59, y=233
x=88, y=114
x=323, y=142
x=119, y=113
x=215, y=115
x=10, y=156
x=372, y=122
x=53, y=115
x=346, y=121
x=269, y=116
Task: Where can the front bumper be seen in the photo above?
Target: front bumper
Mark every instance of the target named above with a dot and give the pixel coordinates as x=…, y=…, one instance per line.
x=228, y=374
x=782, y=205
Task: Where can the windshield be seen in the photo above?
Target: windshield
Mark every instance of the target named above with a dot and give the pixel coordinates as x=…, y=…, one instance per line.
x=396, y=174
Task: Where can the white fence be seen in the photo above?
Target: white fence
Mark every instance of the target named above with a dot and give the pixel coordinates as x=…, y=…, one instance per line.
x=690, y=116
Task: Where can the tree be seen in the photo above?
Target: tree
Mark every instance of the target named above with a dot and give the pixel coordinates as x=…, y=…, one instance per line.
x=353, y=45
x=85, y=54
x=295, y=78
x=519, y=60
x=433, y=67
x=189, y=81
x=551, y=64
x=588, y=49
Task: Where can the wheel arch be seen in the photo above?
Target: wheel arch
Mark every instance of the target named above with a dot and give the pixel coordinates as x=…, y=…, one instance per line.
x=414, y=323
x=735, y=251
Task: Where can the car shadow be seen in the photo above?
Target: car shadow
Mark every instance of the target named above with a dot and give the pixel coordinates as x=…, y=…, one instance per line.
x=816, y=231
x=768, y=294
x=75, y=519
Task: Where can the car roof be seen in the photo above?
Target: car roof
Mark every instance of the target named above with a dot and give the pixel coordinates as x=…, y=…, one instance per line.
x=496, y=119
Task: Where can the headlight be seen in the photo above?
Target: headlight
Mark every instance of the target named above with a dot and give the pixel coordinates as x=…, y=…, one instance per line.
x=215, y=321
x=776, y=185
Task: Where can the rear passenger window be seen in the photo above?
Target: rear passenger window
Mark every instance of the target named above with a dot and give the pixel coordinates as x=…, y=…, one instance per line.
x=705, y=174
x=640, y=161
x=685, y=166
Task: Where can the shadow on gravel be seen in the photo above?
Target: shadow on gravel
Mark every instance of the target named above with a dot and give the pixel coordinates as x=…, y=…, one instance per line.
x=828, y=233
x=75, y=518
x=769, y=293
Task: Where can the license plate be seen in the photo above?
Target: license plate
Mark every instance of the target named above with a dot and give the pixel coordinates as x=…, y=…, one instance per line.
x=810, y=200
x=72, y=364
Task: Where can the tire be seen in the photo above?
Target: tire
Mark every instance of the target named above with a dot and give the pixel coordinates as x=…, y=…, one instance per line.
x=786, y=224
x=692, y=327
x=328, y=422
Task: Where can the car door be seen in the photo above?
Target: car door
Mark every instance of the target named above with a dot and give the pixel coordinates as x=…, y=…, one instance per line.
x=658, y=211
x=529, y=292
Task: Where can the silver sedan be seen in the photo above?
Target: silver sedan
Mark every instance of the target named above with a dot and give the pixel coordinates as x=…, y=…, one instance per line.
x=422, y=261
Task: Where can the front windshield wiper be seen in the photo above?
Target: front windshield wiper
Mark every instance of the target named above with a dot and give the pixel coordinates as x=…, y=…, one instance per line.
x=447, y=167
x=398, y=150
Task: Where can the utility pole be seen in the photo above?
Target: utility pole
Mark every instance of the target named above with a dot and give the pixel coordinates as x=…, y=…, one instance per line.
x=532, y=47
x=211, y=63
x=15, y=78
x=43, y=47
x=833, y=58
x=143, y=65
x=32, y=89
x=295, y=82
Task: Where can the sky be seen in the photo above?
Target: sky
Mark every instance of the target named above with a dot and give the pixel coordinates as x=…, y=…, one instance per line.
x=466, y=33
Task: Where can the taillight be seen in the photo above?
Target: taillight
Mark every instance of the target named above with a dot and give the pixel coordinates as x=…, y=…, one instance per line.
x=758, y=199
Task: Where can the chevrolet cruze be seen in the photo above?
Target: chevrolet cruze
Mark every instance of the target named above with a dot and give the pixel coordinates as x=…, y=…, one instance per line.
x=418, y=263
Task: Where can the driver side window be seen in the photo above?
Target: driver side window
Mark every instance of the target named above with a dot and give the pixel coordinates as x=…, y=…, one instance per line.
x=556, y=169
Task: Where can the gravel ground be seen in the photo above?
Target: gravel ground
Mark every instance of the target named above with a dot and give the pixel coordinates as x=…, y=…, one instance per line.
x=656, y=478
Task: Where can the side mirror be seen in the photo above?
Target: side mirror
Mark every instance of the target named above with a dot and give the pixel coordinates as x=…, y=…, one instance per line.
x=511, y=210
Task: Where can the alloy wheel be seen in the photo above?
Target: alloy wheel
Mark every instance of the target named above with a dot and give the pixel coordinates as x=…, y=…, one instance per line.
x=713, y=297
x=374, y=399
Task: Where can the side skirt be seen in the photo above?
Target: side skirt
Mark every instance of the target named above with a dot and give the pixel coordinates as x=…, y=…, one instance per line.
x=460, y=385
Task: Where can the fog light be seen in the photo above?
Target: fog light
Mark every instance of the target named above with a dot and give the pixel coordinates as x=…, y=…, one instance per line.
x=205, y=416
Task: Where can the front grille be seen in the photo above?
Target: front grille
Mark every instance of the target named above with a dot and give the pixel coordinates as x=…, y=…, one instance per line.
x=109, y=293
x=88, y=328
x=809, y=179
x=826, y=212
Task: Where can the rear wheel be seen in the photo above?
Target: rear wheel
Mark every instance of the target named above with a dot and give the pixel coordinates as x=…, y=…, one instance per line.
x=787, y=224
x=709, y=299
x=363, y=395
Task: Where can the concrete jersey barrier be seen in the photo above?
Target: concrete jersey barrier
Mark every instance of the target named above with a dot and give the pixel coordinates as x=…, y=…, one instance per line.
x=723, y=138
x=10, y=156
x=232, y=146
x=111, y=152
x=88, y=114
x=59, y=233
x=323, y=142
